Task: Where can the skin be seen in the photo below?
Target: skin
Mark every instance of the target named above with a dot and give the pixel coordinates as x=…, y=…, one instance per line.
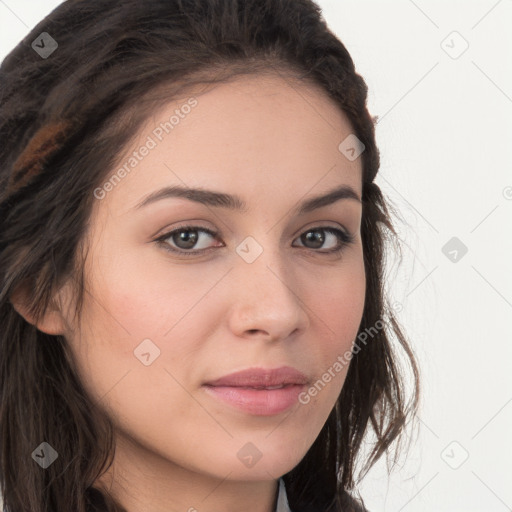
x=274, y=143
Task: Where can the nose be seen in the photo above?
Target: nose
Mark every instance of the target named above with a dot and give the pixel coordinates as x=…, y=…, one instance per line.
x=266, y=300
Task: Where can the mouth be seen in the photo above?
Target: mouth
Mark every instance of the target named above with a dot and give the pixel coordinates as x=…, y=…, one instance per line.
x=257, y=400
x=262, y=378
x=259, y=391
x=255, y=387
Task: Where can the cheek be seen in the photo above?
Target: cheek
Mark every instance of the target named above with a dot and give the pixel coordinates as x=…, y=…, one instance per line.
x=338, y=306
x=126, y=304
x=340, y=300
x=143, y=293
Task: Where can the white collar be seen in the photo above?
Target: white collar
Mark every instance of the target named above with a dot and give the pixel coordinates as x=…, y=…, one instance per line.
x=282, y=498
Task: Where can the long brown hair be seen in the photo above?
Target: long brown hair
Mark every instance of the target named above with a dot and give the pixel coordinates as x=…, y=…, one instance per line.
x=64, y=118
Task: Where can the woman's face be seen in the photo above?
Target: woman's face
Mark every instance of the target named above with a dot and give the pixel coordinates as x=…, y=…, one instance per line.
x=161, y=319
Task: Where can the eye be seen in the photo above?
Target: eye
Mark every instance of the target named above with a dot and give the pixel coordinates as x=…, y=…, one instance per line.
x=317, y=238
x=185, y=238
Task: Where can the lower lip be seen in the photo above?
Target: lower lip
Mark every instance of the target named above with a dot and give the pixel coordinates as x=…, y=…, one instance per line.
x=261, y=402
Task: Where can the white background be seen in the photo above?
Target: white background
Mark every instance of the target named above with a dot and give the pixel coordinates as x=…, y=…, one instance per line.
x=444, y=132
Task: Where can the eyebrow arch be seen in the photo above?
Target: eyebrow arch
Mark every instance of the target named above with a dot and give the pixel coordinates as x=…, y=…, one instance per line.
x=233, y=202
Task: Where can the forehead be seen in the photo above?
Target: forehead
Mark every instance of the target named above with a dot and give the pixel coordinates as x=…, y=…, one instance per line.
x=253, y=135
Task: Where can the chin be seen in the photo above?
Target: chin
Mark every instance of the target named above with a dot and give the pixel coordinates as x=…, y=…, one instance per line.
x=260, y=460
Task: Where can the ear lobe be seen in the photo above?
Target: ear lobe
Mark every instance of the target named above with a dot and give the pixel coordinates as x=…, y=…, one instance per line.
x=52, y=322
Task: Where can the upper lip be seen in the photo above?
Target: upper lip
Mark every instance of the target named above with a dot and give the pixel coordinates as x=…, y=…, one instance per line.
x=261, y=377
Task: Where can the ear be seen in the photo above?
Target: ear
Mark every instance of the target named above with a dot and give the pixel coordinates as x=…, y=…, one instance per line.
x=52, y=322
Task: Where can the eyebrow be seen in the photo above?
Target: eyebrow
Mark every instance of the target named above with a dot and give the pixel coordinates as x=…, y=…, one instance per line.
x=234, y=202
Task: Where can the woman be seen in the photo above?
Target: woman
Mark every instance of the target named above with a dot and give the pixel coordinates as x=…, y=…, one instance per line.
x=192, y=249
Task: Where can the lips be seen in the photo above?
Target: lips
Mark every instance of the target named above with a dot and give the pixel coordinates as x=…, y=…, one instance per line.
x=261, y=378
x=259, y=391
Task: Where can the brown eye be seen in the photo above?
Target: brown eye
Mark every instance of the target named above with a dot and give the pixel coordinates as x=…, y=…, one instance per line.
x=185, y=238
x=193, y=240
x=317, y=237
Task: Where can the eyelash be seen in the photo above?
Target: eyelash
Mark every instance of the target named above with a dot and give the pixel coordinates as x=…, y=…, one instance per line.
x=345, y=239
